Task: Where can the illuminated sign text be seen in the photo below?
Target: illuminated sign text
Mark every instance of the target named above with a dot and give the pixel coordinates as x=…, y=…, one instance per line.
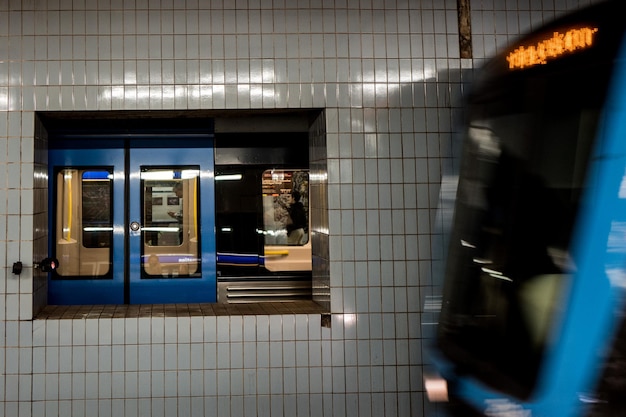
x=554, y=47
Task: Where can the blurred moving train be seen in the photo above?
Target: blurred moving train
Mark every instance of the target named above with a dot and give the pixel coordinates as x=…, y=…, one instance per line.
x=532, y=313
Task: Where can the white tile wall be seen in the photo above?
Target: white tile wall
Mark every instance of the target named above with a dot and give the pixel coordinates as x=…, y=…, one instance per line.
x=389, y=77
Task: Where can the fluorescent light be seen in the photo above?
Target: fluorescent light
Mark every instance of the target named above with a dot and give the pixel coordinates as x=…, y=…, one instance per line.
x=160, y=229
x=189, y=173
x=157, y=175
x=228, y=177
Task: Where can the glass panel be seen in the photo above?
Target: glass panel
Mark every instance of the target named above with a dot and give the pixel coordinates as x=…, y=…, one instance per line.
x=97, y=216
x=170, y=235
x=286, y=207
x=84, y=226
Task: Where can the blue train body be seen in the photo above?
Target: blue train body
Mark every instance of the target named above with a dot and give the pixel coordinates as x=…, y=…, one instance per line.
x=536, y=268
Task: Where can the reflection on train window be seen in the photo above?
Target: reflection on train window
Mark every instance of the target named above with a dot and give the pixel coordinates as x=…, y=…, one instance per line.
x=170, y=235
x=84, y=226
x=286, y=207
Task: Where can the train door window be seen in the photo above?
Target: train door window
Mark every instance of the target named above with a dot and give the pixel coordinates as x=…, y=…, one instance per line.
x=171, y=244
x=84, y=226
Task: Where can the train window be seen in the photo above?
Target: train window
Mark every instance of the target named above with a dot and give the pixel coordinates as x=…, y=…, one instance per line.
x=171, y=245
x=285, y=207
x=84, y=222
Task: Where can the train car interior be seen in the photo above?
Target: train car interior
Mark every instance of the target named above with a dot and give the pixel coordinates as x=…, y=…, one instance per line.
x=256, y=176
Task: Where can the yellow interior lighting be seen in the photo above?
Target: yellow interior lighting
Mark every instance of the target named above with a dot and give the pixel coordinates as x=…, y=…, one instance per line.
x=67, y=230
x=195, y=206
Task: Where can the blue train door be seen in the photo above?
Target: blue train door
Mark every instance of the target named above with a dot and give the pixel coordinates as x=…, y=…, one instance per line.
x=133, y=224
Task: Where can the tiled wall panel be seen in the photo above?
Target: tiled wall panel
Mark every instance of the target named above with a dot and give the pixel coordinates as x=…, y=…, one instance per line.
x=389, y=76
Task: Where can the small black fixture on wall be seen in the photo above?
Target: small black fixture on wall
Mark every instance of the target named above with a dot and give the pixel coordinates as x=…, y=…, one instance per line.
x=46, y=265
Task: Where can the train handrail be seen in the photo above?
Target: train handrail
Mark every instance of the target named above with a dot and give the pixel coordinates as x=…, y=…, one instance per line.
x=277, y=252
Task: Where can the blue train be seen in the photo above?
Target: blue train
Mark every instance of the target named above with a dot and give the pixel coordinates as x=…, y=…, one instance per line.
x=141, y=215
x=532, y=315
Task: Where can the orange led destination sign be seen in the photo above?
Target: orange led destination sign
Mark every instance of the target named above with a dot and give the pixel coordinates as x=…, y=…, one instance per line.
x=551, y=48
